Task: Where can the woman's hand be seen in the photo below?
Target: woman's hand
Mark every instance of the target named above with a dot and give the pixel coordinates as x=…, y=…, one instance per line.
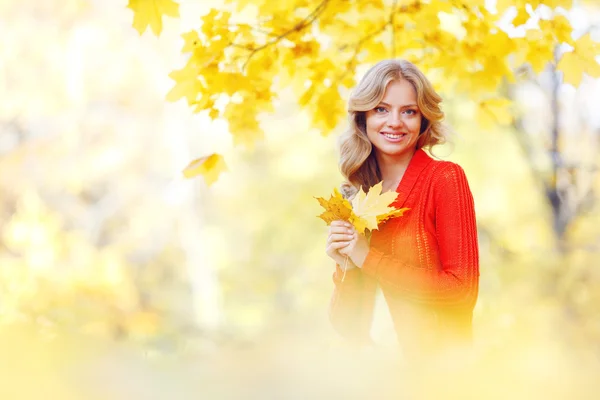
x=341, y=234
x=357, y=249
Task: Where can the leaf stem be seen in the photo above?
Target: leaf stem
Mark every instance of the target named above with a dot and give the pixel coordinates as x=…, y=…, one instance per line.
x=345, y=264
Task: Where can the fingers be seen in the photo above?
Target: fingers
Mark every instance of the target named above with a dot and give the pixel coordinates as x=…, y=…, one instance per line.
x=341, y=227
x=337, y=245
x=339, y=237
x=339, y=222
x=332, y=248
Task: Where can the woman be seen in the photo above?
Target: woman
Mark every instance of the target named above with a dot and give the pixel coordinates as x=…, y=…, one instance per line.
x=426, y=262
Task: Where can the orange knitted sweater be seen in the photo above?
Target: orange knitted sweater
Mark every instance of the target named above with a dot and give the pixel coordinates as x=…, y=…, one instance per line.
x=426, y=262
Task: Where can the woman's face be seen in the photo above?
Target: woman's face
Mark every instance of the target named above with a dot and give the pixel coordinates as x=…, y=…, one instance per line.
x=393, y=125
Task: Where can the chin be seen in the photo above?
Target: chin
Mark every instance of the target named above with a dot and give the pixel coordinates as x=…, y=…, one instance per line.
x=396, y=150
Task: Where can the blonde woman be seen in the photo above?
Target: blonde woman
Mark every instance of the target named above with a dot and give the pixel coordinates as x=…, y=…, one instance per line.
x=426, y=262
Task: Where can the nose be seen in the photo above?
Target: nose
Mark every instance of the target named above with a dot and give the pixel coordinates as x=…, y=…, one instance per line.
x=394, y=119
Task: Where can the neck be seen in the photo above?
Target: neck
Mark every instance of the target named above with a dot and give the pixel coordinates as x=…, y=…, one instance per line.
x=392, y=168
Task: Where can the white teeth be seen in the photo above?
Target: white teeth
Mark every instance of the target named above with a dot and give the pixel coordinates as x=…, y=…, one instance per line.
x=392, y=136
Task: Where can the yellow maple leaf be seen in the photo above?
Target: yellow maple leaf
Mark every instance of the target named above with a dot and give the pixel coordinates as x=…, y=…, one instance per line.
x=210, y=167
x=369, y=208
x=395, y=213
x=366, y=211
x=580, y=60
x=536, y=48
x=150, y=12
x=187, y=85
x=559, y=27
x=191, y=41
x=329, y=108
x=336, y=208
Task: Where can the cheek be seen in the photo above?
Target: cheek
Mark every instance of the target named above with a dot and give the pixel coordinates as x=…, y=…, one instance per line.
x=415, y=124
x=373, y=123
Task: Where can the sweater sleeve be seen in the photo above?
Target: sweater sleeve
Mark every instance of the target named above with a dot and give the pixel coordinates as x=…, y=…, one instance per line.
x=455, y=283
x=351, y=306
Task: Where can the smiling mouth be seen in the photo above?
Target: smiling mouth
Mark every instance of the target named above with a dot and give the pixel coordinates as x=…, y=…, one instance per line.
x=393, y=136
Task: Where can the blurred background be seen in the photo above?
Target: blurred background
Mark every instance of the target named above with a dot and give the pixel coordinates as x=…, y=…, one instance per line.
x=120, y=279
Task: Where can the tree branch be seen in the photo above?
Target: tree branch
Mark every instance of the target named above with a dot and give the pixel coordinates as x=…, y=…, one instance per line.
x=357, y=46
x=299, y=26
x=256, y=29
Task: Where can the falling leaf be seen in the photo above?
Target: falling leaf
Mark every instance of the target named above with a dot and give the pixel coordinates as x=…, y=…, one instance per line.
x=150, y=12
x=366, y=211
x=210, y=167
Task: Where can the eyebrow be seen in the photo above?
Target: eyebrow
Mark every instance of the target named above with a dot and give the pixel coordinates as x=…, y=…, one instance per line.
x=408, y=105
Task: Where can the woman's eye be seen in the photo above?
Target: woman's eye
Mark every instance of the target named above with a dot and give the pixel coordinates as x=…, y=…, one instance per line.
x=410, y=112
x=380, y=109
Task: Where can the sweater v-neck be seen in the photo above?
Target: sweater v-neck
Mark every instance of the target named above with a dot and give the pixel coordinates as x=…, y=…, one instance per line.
x=417, y=164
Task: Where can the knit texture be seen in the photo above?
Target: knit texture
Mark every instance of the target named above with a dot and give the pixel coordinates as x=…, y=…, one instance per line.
x=426, y=259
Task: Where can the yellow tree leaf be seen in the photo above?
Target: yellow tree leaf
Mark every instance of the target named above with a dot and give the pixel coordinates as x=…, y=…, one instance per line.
x=522, y=16
x=392, y=214
x=336, y=208
x=369, y=207
x=361, y=224
x=566, y=4
x=210, y=167
x=191, y=41
x=329, y=108
x=536, y=48
x=559, y=27
x=187, y=85
x=366, y=211
x=150, y=12
x=580, y=60
x=313, y=50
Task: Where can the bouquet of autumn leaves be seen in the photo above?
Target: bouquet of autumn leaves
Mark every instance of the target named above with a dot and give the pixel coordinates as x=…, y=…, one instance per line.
x=366, y=211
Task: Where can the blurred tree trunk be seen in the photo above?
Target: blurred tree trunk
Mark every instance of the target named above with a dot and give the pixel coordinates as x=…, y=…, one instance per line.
x=204, y=283
x=567, y=184
x=555, y=192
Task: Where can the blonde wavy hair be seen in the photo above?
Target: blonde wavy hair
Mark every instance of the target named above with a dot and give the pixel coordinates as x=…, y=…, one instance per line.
x=357, y=161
